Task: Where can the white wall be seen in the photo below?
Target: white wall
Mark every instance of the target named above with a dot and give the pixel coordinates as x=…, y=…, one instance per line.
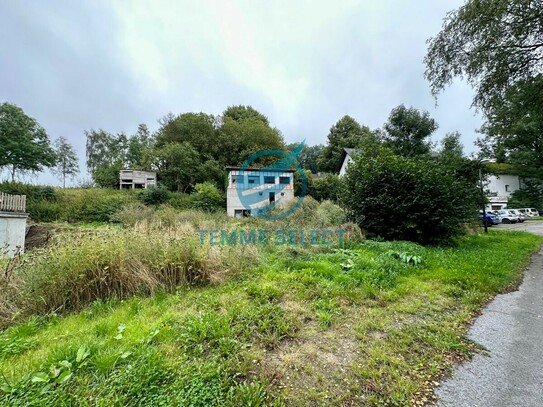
x=503, y=185
x=346, y=162
x=12, y=233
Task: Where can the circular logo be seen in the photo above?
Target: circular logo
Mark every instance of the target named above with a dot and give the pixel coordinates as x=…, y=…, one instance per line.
x=268, y=193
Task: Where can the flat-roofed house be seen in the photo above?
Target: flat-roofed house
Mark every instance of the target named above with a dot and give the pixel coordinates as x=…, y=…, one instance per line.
x=251, y=189
x=135, y=179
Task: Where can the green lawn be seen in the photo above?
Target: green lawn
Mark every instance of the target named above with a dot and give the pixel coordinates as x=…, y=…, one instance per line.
x=377, y=323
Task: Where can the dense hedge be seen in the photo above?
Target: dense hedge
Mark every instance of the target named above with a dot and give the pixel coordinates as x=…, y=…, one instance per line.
x=397, y=198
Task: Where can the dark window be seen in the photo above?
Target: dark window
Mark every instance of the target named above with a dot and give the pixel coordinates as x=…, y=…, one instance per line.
x=507, y=188
x=284, y=180
x=254, y=179
x=269, y=179
x=272, y=197
x=282, y=194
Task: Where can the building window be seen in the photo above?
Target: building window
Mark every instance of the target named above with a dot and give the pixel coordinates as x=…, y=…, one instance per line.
x=253, y=179
x=284, y=180
x=269, y=179
x=282, y=194
x=507, y=188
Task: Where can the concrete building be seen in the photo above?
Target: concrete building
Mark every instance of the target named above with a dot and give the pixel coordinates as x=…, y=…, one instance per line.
x=134, y=179
x=12, y=224
x=253, y=189
x=499, y=189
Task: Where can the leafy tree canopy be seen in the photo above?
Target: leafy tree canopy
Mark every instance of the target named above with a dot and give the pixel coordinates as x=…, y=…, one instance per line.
x=24, y=144
x=407, y=131
x=514, y=130
x=492, y=43
x=240, y=112
x=346, y=133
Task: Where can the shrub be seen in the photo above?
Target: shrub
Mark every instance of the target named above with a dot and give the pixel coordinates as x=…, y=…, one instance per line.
x=408, y=199
x=326, y=188
x=180, y=201
x=207, y=197
x=154, y=195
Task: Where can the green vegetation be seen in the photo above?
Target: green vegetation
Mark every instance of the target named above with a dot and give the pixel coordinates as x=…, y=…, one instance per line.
x=372, y=323
x=399, y=198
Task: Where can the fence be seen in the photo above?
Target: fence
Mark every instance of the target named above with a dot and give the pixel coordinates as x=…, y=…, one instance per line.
x=12, y=203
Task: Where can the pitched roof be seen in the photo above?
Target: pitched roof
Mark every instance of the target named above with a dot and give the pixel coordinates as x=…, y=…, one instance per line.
x=346, y=152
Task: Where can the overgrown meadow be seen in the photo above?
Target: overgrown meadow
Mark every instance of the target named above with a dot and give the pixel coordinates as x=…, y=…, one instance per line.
x=140, y=312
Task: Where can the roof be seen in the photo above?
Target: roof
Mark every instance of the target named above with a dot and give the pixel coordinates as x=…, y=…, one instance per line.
x=344, y=153
x=267, y=169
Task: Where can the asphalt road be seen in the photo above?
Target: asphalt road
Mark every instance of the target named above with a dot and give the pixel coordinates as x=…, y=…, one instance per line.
x=511, y=329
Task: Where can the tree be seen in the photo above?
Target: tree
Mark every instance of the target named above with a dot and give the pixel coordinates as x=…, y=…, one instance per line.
x=99, y=149
x=67, y=161
x=177, y=166
x=492, y=43
x=309, y=156
x=197, y=129
x=399, y=198
x=240, y=112
x=136, y=146
x=346, y=133
x=407, y=131
x=24, y=144
x=514, y=129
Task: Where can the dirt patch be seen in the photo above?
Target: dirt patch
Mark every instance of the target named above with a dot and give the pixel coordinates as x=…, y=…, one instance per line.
x=38, y=236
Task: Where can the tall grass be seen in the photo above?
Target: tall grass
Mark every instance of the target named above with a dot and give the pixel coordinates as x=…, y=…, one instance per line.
x=81, y=268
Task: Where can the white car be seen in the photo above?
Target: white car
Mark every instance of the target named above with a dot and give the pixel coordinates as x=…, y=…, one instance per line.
x=507, y=216
x=521, y=216
x=529, y=211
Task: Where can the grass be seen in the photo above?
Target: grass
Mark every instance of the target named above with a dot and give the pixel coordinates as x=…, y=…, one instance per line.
x=374, y=323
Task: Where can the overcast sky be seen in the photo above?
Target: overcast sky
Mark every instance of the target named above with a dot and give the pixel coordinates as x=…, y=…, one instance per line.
x=76, y=65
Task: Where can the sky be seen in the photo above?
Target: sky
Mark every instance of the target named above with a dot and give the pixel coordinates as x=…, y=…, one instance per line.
x=80, y=65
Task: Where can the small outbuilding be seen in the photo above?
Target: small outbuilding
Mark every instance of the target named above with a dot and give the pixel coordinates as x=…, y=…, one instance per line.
x=135, y=179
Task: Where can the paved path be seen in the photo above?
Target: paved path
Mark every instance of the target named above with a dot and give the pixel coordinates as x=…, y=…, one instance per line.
x=511, y=329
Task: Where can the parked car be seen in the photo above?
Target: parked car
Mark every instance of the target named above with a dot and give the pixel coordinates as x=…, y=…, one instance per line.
x=521, y=216
x=507, y=216
x=491, y=219
x=529, y=211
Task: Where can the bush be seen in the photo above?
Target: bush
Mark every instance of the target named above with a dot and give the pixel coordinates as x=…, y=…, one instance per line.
x=408, y=199
x=180, y=201
x=154, y=195
x=207, y=197
x=326, y=188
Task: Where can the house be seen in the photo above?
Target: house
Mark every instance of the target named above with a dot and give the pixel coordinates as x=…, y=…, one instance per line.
x=346, y=157
x=134, y=179
x=253, y=189
x=500, y=188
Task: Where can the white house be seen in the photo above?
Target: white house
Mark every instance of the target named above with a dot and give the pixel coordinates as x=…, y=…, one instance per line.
x=500, y=188
x=253, y=189
x=346, y=158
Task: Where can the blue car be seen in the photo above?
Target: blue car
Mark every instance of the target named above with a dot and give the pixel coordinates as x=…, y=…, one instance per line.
x=490, y=219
